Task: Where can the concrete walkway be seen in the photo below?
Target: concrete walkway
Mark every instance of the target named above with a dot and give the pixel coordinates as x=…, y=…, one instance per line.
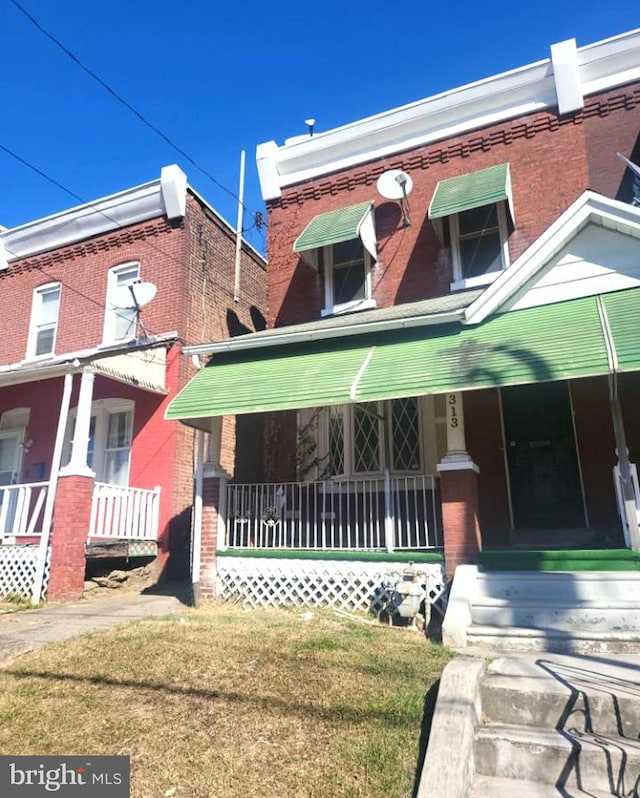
x=28, y=630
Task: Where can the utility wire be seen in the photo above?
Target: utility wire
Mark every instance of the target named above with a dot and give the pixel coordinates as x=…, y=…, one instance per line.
x=124, y=102
x=118, y=226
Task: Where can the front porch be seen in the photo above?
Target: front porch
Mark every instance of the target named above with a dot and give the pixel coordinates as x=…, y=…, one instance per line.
x=120, y=521
x=75, y=429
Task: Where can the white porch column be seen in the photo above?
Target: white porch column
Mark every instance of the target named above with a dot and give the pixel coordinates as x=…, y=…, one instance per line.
x=456, y=443
x=78, y=465
x=458, y=492
x=47, y=517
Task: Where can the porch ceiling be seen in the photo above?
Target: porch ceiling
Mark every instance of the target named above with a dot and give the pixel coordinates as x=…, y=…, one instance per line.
x=541, y=344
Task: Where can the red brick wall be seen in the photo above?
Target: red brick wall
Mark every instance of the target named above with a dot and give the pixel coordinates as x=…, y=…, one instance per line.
x=483, y=433
x=192, y=265
x=553, y=160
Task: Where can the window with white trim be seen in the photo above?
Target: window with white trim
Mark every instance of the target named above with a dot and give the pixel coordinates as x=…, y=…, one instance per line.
x=110, y=439
x=355, y=440
x=119, y=322
x=478, y=244
x=347, y=277
x=45, y=309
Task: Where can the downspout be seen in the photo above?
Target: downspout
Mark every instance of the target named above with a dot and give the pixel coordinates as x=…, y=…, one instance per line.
x=628, y=496
x=47, y=517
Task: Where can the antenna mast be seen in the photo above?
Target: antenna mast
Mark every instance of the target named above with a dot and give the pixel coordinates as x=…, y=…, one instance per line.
x=236, y=283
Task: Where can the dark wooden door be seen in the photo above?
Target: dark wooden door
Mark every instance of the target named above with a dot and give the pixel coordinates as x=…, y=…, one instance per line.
x=541, y=456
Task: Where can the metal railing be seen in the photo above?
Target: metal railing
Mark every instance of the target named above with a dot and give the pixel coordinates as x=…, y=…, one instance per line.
x=22, y=511
x=124, y=513
x=335, y=514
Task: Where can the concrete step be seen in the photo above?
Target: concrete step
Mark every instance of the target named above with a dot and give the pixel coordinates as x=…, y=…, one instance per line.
x=588, y=762
x=492, y=787
x=593, y=615
x=562, y=692
x=559, y=586
x=552, y=639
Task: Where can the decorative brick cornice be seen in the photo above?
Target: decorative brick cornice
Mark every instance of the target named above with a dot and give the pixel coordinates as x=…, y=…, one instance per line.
x=478, y=141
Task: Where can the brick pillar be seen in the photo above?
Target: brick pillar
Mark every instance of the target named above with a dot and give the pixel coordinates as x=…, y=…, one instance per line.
x=71, y=518
x=461, y=529
x=211, y=493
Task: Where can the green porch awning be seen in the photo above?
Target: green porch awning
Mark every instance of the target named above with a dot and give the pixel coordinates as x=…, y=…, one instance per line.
x=473, y=190
x=623, y=315
x=343, y=224
x=540, y=344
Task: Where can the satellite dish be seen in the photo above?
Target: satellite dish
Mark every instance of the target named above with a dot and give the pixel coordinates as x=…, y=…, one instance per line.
x=394, y=184
x=135, y=295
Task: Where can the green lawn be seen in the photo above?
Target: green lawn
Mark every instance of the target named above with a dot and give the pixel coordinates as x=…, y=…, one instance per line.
x=223, y=703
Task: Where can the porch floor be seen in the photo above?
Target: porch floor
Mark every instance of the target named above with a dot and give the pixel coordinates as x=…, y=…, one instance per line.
x=560, y=560
x=121, y=548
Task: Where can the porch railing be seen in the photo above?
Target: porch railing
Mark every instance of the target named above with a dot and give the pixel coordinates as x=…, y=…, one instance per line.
x=123, y=513
x=336, y=514
x=22, y=511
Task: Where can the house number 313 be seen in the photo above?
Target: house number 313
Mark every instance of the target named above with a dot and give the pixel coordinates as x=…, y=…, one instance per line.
x=453, y=410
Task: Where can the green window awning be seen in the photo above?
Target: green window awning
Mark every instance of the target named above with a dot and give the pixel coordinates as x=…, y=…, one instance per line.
x=473, y=190
x=552, y=342
x=333, y=227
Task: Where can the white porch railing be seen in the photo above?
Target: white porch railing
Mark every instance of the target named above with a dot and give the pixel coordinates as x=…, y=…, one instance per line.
x=22, y=511
x=617, y=480
x=123, y=513
x=337, y=514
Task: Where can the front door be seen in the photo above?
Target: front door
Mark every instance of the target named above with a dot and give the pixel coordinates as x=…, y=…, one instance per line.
x=544, y=479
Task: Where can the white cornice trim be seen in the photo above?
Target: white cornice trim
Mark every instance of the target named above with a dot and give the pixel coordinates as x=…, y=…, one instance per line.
x=139, y=204
x=521, y=91
x=588, y=208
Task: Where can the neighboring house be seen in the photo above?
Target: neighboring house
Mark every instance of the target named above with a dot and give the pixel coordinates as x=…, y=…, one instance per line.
x=455, y=369
x=85, y=377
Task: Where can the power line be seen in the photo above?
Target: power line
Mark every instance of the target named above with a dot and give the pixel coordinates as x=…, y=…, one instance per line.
x=124, y=102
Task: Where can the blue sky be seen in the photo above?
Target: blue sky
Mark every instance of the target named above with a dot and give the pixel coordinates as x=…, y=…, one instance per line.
x=218, y=78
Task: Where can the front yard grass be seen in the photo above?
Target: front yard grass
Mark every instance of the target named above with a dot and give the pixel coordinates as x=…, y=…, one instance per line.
x=222, y=703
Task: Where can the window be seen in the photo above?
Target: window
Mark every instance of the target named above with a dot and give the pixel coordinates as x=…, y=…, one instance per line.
x=355, y=437
x=479, y=243
x=479, y=207
x=110, y=438
x=44, y=320
x=347, y=280
x=341, y=244
x=119, y=322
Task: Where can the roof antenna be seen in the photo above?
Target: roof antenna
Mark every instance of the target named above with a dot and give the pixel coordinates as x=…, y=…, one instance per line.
x=310, y=123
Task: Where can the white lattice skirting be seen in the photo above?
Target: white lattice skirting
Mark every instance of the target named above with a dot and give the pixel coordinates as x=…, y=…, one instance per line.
x=353, y=585
x=18, y=569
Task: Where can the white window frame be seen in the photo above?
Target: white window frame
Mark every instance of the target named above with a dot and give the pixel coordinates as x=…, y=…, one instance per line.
x=111, y=312
x=36, y=326
x=101, y=410
x=366, y=303
x=459, y=281
x=348, y=421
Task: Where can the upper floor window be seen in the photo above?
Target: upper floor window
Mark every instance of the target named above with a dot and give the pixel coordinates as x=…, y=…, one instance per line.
x=44, y=320
x=479, y=242
x=479, y=210
x=341, y=244
x=119, y=321
x=346, y=268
